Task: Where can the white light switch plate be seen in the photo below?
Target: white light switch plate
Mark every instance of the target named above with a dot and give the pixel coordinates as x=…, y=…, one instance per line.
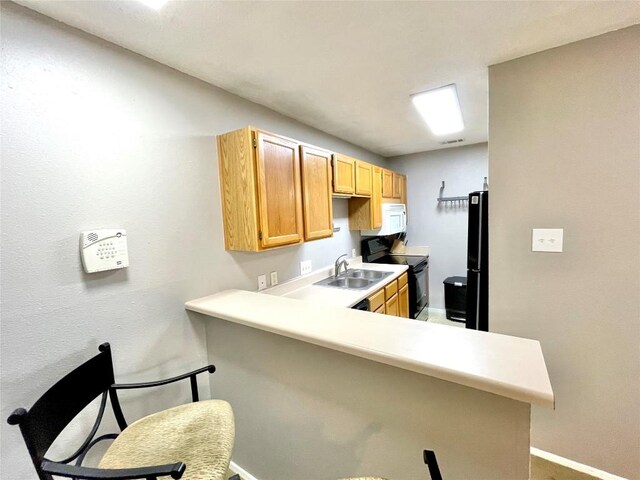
x=274, y=278
x=305, y=267
x=547, y=239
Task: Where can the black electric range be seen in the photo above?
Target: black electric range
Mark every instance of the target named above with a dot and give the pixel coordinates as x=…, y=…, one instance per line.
x=377, y=250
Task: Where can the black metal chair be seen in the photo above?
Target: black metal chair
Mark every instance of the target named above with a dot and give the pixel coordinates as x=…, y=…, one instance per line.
x=54, y=410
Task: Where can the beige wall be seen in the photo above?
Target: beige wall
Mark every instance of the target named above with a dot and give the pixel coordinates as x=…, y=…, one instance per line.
x=564, y=151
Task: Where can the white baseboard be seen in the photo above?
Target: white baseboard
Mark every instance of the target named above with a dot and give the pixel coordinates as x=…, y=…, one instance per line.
x=235, y=468
x=565, y=462
x=578, y=467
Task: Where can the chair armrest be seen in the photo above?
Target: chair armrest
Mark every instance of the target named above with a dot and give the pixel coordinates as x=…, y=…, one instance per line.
x=175, y=470
x=124, y=386
x=113, y=390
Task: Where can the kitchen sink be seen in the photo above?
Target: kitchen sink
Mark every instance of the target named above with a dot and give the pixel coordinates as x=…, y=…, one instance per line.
x=349, y=282
x=368, y=274
x=354, y=279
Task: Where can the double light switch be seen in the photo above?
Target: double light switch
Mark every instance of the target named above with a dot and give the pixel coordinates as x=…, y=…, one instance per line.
x=547, y=239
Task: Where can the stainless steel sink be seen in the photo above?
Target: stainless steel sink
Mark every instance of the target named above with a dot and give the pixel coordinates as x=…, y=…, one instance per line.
x=354, y=279
x=368, y=274
x=349, y=282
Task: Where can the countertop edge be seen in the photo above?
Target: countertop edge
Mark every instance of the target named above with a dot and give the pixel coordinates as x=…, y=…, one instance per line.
x=514, y=392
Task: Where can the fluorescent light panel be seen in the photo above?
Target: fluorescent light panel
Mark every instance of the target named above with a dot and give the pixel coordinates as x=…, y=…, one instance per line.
x=440, y=109
x=155, y=4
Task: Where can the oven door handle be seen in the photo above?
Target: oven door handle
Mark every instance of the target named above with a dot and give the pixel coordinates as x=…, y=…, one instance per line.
x=419, y=269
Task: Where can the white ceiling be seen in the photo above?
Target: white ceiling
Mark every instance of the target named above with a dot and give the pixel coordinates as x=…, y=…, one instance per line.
x=346, y=68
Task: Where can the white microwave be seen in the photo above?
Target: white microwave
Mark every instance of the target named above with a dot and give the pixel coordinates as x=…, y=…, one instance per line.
x=394, y=220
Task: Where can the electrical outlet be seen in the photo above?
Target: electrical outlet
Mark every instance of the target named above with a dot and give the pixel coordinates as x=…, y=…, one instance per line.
x=353, y=253
x=274, y=278
x=262, y=282
x=547, y=239
x=305, y=267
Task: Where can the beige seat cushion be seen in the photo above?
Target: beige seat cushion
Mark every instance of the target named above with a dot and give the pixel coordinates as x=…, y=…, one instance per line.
x=199, y=434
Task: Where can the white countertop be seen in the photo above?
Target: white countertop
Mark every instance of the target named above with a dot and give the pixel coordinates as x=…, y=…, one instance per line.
x=508, y=366
x=303, y=288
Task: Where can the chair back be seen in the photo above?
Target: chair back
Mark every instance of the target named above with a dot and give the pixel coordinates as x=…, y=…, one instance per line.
x=54, y=410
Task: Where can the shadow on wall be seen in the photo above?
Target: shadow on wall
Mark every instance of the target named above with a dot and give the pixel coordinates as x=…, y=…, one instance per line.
x=100, y=279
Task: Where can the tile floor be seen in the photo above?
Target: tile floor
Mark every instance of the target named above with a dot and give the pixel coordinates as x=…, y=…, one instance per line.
x=435, y=315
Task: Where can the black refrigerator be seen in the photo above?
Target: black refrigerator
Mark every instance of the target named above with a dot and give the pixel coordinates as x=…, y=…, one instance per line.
x=478, y=262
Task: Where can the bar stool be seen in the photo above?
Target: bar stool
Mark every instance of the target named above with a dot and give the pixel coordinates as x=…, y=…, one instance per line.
x=192, y=441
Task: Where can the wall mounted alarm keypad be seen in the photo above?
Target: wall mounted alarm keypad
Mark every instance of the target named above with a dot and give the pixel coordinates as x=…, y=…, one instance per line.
x=104, y=250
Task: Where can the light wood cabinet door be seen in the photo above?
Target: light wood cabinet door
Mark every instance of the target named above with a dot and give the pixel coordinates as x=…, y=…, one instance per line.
x=376, y=198
x=376, y=300
x=391, y=306
x=366, y=213
x=403, y=301
x=363, y=178
x=391, y=289
x=397, y=185
x=380, y=309
x=317, y=205
x=344, y=174
x=279, y=191
x=387, y=184
x=239, y=202
x=403, y=190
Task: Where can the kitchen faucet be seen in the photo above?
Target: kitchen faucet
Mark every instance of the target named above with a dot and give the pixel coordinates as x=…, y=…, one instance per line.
x=340, y=263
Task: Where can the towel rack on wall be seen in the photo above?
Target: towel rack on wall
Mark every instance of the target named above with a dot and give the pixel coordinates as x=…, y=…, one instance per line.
x=441, y=199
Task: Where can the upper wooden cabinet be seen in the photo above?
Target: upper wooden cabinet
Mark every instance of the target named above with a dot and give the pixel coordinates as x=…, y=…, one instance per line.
x=279, y=191
x=397, y=185
x=363, y=178
x=260, y=183
x=376, y=198
x=366, y=213
x=317, y=203
x=403, y=192
x=387, y=184
x=344, y=174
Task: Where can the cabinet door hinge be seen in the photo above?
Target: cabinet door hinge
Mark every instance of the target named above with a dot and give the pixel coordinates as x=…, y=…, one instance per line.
x=255, y=144
x=260, y=235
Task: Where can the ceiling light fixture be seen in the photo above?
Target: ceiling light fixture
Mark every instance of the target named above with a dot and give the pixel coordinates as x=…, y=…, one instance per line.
x=440, y=109
x=155, y=4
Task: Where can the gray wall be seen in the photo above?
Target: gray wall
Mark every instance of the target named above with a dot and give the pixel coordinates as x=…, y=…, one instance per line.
x=95, y=136
x=442, y=227
x=564, y=152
